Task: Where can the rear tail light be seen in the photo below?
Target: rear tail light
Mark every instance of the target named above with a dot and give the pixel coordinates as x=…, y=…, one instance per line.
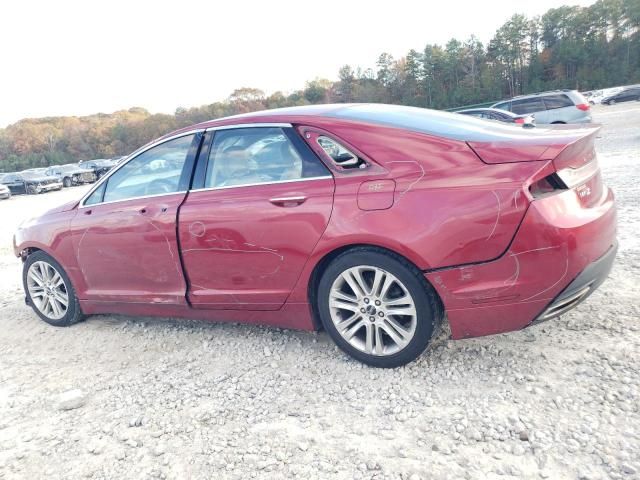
x=519, y=120
x=583, y=106
x=564, y=179
x=573, y=177
x=549, y=184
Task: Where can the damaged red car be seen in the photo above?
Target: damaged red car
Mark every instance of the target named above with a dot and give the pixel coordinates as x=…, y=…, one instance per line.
x=374, y=222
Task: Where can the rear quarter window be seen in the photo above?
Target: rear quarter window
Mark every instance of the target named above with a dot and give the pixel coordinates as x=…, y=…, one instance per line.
x=557, y=101
x=527, y=105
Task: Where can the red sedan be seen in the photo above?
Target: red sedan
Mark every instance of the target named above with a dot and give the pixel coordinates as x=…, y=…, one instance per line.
x=375, y=222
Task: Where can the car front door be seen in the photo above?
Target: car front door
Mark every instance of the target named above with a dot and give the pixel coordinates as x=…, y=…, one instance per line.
x=124, y=232
x=260, y=203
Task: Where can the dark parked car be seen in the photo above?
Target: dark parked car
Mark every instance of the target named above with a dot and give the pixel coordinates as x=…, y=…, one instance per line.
x=30, y=182
x=72, y=174
x=376, y=222
x=99, y=166
x=626, y=95
x=499, y=115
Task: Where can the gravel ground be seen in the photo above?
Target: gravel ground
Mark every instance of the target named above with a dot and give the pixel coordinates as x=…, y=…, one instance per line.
x=121, y=397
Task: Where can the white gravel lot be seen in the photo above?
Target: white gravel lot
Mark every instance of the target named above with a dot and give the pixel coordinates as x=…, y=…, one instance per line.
x=119, y=397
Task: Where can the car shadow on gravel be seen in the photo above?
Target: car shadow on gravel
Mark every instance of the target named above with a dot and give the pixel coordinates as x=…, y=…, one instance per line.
x=317, y=344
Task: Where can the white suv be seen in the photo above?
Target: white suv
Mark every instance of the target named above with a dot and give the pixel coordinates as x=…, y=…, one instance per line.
x=558, y=106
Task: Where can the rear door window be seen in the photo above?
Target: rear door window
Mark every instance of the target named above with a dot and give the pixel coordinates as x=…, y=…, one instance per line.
x=527, y=105
x=503, y=106
x=257, y=155
x=557, y=101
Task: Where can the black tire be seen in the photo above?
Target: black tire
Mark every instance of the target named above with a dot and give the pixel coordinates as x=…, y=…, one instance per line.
x=611, y=102
x=66, y=182
x=558, y=123
x=74, y=313
x=32, y=190
x=427, y=304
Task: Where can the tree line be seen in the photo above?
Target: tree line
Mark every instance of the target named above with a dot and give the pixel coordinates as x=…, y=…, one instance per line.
x=573, y=47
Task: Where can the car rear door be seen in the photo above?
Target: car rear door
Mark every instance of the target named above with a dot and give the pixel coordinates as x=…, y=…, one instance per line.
x=260, y=202
x=560, y=108
x=531, y=106
x=124, y=232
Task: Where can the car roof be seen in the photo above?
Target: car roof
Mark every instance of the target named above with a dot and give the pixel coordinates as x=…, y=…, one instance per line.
x=437, y=123
x=542, y=94
x=488, y=109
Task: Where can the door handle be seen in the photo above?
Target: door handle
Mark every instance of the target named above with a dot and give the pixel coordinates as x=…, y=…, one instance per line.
x=288, y=201
x=87, y=212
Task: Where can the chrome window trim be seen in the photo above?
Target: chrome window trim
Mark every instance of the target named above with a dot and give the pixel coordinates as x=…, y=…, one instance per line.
x=133, y=155
x=276, y=182
x=249, y=125
x=181, y=192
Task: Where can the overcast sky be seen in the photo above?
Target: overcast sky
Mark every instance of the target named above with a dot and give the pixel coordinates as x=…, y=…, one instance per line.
x=77, y=58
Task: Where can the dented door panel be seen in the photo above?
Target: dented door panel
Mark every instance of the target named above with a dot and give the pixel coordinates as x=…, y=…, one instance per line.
x=244, y=247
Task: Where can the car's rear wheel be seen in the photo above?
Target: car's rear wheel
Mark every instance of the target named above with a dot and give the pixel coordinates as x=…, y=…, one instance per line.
x=32, y=190
x=377, y=307
x=67, y=182
x=49, y=291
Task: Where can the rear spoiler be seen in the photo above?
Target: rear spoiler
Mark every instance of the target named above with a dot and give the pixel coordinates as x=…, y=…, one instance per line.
x=568, y=145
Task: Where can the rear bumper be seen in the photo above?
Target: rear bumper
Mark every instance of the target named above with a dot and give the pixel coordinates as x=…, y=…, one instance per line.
x=560, y=249
x=581, y=287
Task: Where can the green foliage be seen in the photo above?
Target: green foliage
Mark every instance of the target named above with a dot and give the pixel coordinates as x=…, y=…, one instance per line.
x=567, y=47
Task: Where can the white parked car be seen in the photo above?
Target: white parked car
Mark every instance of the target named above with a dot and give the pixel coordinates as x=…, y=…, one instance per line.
x=4, y=192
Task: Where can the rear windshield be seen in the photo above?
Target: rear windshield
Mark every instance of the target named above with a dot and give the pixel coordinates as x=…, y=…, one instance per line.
x=557, y=101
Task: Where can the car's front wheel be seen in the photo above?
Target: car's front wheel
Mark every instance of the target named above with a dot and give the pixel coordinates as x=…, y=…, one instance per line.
x=377, y=307
x=67, y=182
x=49, y=291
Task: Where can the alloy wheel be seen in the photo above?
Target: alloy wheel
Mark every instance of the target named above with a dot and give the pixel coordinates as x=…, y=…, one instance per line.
x=372, y=310
x=47, y=289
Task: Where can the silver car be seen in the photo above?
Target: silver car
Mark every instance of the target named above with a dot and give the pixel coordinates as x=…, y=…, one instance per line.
x=557, y=106
x=4, y=191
